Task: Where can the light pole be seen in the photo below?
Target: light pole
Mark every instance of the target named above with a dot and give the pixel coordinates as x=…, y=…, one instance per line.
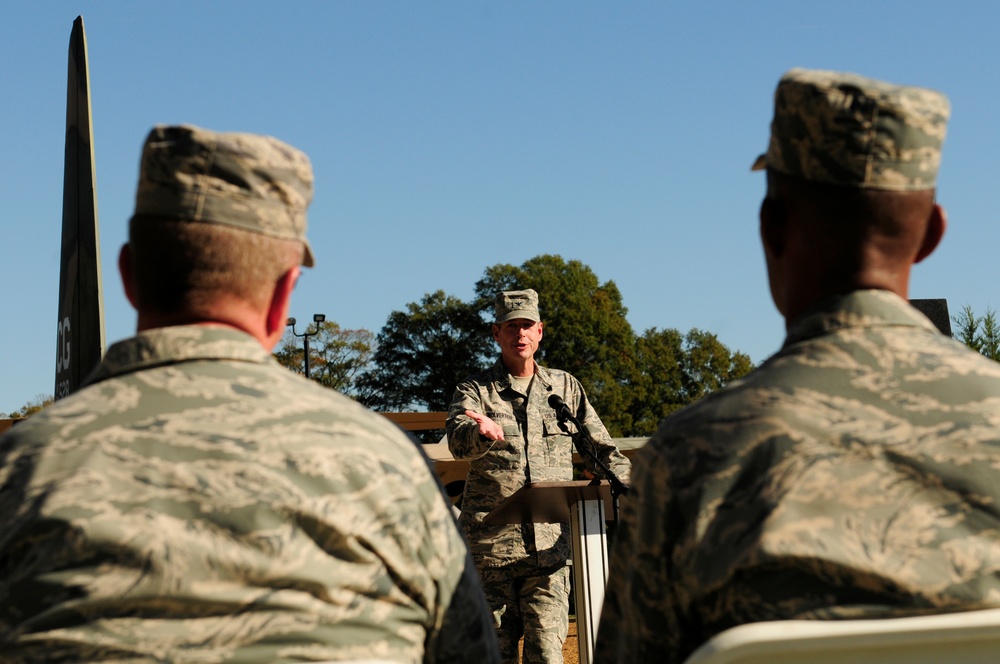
x=317, y=318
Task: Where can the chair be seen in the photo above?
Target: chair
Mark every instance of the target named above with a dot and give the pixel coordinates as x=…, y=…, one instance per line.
x=969, y=637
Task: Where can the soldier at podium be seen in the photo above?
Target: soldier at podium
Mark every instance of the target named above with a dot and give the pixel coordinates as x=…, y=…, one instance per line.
x=501, y=421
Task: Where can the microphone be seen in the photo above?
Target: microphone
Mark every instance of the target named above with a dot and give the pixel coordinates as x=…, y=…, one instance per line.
x=562, y=410
x=587, y=447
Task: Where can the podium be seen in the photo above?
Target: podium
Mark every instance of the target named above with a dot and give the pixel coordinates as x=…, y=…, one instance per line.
x=586, y=505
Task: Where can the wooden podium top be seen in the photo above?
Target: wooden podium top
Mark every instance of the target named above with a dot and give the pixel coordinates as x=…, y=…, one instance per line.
x=549, y=502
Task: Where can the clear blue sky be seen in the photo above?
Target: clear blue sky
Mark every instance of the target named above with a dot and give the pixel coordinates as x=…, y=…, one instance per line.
x=450, y=136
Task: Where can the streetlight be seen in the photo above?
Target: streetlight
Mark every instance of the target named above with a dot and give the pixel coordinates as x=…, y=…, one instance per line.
x=317, y=318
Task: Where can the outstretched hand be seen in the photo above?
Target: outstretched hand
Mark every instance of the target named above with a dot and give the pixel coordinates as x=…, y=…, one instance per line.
x=487, y=427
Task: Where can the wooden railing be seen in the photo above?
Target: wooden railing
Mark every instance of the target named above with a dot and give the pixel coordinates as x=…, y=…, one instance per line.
x=418, y=421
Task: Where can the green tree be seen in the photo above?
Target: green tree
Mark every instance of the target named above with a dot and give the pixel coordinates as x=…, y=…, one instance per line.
x=673, y=371
x=586, y=330
x=336, y=356
x=967, y=328
x=657, y=384
x=991, y=336
x=709, y=365
x=422, y=353
x=980, y=333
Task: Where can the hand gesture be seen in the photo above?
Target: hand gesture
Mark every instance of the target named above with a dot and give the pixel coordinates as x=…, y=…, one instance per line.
x=487, y=427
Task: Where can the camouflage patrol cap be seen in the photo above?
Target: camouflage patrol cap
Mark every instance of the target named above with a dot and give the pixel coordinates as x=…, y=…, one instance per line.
x=517, y=304
x=844, y=129
x=255, y=183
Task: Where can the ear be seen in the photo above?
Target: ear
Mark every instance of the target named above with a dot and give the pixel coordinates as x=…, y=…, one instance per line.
x=937, y=223
x=277, y=311
x=773, y=223
x=496, y=333
x=127, y=275
x=541, y=328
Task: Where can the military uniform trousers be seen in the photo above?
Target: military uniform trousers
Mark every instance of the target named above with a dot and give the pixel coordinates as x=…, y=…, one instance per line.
x=531, y=602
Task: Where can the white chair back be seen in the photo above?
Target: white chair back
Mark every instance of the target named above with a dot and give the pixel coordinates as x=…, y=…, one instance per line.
x=970, y=637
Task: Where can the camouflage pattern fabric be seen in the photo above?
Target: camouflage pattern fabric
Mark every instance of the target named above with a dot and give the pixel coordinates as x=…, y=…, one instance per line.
x=532, y=602
x=535, y=449
x=247, y=181
x=854, y=474
x=850, y=130
x=197, y=502
x=508, y=305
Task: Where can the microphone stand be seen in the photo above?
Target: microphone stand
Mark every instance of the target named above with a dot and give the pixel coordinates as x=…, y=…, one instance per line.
x=584, y=443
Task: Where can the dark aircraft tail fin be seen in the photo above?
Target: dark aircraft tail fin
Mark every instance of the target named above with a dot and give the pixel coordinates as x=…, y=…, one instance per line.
x=80, y=338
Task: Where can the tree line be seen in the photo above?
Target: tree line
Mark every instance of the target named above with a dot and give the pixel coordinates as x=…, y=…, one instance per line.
x=634, y=380
x=416, y=360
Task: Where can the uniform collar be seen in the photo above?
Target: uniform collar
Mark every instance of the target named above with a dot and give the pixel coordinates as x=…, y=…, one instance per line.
x=501, y=377
x=181, y=343
x=862, y=308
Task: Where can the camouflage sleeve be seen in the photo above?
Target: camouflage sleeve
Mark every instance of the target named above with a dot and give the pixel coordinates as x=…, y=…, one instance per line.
x=464, y=440
x=466, y=633
x=640, y=617
x=607, y=451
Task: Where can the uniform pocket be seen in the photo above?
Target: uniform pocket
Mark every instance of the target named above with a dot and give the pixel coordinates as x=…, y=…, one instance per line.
x=558, y=449
x=505, y=454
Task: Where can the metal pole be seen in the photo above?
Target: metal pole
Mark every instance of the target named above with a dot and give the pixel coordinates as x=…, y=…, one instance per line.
x=305, y=343
x=317, y=319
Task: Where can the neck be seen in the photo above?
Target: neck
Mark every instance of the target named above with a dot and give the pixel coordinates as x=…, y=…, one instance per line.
x=238, y=317
x=520, y=368
x=814, y=288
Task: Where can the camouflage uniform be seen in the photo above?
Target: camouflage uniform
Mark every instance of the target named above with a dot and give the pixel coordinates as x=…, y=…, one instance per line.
x=854, y=474
x=513, y=558
x=199, y=502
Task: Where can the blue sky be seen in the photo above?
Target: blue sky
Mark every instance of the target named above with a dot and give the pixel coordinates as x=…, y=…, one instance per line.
x=450, y=136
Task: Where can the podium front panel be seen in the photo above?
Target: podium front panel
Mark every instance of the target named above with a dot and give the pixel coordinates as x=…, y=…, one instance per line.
x=549, y=502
